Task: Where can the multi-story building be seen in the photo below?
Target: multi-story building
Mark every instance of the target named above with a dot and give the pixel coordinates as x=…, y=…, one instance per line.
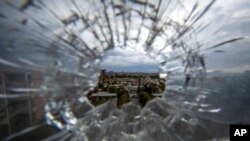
x=130, y=81
x=129, y=78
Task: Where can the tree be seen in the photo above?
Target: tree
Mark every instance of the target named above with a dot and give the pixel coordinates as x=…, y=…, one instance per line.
x=112, y=89
x=122, y=100
x=139, y=90
x=100, y=85
x=151, y=88
x=112, y=77
x=145, y=97
x=122, y=97
x=95, y=90
x=121, y=91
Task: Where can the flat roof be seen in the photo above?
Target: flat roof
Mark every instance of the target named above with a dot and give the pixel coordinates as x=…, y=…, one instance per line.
x=104, y=94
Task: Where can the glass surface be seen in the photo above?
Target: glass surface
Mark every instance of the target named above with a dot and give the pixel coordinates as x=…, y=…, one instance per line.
x=50, y=54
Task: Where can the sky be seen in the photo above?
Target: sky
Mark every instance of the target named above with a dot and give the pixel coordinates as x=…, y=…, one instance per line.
x=235, y=58
x=128, y=60
x=235, y=16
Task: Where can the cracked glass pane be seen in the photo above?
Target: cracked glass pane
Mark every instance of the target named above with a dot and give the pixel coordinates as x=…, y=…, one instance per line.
x=127, y=76
x=50, y=54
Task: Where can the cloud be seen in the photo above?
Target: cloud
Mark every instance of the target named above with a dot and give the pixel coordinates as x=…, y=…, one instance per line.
x=128, y=60
x=241, y=13
x=235, y=24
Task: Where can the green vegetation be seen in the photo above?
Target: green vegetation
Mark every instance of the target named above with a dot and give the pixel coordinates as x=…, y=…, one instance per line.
x=98, y=101
x=122, y=100
x=162, y=86
x=151, y=88
x=145, y=97
x=121, y=91
x=112, y=89
x=100, y=85
x=146, y=85
x=122, y=97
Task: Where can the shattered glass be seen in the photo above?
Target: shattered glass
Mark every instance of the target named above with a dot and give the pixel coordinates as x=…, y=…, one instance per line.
x=65, y=40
